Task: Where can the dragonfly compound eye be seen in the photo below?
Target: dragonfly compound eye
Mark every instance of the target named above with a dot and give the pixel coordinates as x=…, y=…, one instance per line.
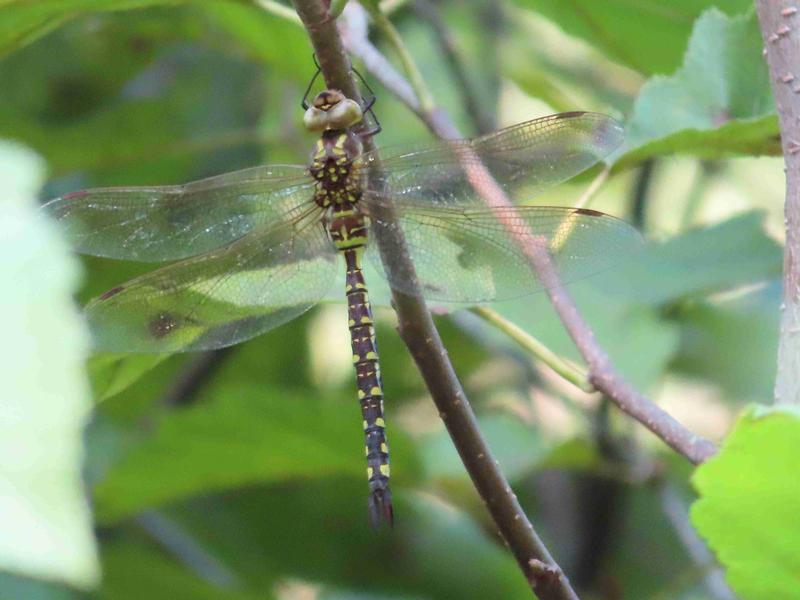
x=332, y=110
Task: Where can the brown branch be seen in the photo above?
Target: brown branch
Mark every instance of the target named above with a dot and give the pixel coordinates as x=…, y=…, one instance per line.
x=780, y=28
x=420, y=335
x=602, y=373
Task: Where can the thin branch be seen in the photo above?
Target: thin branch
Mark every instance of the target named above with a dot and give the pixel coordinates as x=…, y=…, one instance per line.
x=706, y=169
x=675, y=510
x=780, y=28
x=279, y=10
x=193, y=377
x=603, y=498
x=602, y=374
x=475, y=109
x=412, y=72
x=536, y=348
x=177, y=541
x=641, y=192
x=593, y=188
x=420, y=335
x=391, y=6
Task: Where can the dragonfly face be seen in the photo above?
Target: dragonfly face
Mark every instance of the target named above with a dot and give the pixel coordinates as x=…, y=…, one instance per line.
x=255, y=248
x=332, y=110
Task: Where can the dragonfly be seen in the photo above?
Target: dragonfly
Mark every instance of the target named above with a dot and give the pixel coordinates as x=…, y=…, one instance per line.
x=253, y=249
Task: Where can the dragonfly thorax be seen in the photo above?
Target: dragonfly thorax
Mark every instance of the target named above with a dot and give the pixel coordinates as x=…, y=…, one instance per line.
x=335, y=170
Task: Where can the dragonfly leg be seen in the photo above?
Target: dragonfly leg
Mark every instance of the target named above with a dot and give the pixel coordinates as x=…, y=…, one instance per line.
x=304, y=102
x=370, y=389
x=369, y=102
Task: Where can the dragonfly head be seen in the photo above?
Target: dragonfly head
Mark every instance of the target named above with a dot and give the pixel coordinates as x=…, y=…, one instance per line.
x=332, y=110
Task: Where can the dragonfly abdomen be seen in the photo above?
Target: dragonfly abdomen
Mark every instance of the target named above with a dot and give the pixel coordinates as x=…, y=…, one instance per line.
x=370, y=387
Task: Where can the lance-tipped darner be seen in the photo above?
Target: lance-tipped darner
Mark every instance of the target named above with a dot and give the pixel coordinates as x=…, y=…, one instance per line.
x=258, y=247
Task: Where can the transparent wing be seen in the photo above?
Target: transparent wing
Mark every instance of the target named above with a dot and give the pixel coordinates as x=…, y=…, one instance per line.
x=220, y=298
x=476, y=255
x=524, y=160
x=153, y=224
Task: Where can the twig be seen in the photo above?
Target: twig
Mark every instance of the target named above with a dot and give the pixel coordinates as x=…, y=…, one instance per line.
x=421, y=92
x=193, y=377
x=177, y=541
x=603, y=498
x=481, y=118
x=420, y=335
x=602, y=374
x=568, y=371
x=279, y=10
x=641, y=189
x=706, y=169
x=593, y=188
x=780, y=28
x=675, y=510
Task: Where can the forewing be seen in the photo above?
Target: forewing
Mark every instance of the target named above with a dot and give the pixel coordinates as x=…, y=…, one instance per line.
x=153, y=224
x=524, y=160
x=476, y=255
x=220, y=298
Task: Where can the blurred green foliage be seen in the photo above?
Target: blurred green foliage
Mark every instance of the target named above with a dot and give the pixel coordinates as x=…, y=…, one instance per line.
x=256, y=490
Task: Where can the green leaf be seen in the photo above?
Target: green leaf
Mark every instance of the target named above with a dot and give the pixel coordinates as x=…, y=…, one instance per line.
x=723, y=256
x=313, y=530
x=23, y=22
x=239, y=432
x=732, y=342
x=124, y=561
x=46, y=530
x=267, y=37
x=638, y=340
x=647, y=35
x=622, y=304
x=246, y=436
x=747, y=508
x=111, y=374
x=718, y=103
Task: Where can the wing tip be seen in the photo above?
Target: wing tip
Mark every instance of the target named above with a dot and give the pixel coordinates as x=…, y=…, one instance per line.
x=606, y=132
x=589, y=212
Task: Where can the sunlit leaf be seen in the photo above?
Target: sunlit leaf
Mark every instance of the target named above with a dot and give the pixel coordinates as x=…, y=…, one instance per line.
x=717, y=103
x=748, y=497
x=647, y=35
x=45, y=531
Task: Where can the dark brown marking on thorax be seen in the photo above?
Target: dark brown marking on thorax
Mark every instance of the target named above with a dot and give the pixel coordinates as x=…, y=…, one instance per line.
x=338, y=180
